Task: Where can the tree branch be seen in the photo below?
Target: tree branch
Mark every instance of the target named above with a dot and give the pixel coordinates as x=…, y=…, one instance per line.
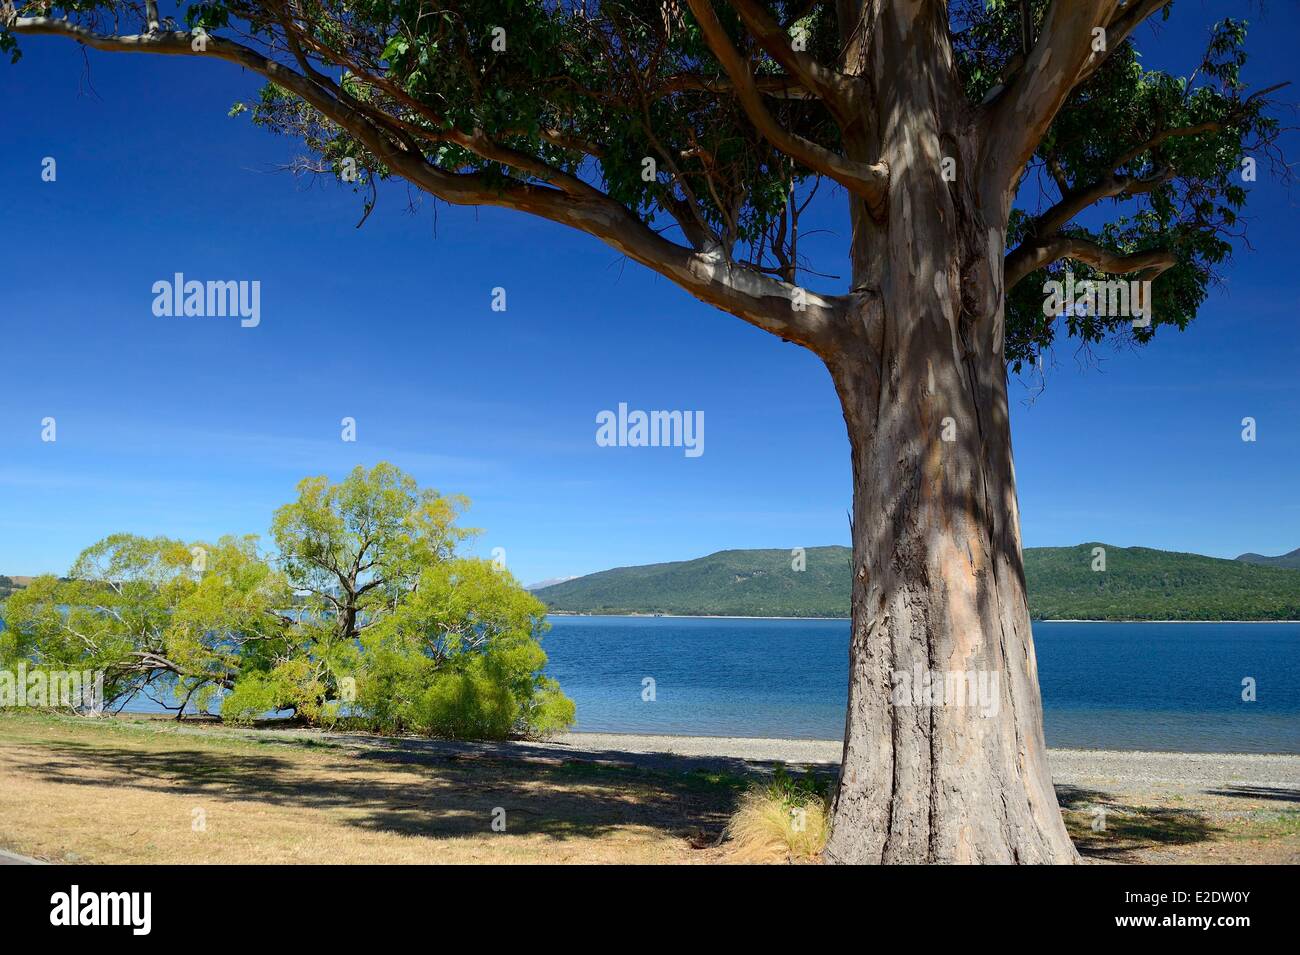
x=1044, y=227
x=1027, y=259
x=1209, y=126
x=708, y=275
x=1016, y=121
x=866, y=181
x=1076, y=200
x=1125, y=20
x=830, y=85
x=777, y=87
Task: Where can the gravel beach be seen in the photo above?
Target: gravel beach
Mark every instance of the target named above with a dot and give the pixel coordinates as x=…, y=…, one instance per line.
x=1174, y=773
x=1183, y=772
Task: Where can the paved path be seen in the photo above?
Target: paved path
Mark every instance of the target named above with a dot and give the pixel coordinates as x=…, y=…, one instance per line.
x=12, y=858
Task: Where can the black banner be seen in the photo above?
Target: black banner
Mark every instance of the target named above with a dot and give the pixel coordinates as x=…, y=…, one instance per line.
x=349, y=905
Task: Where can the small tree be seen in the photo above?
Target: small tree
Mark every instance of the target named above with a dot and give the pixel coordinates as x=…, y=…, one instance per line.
x=391, y=627
x=371, y=616
x=692, y=142
x=156, y=616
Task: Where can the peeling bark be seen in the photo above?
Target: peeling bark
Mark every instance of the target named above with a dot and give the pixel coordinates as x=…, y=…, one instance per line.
x=938, y=588
x=938, y=579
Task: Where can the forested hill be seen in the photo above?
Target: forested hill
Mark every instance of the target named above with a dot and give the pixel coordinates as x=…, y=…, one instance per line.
x=1286, y=560
x=742, y=583
x=1144, y=584
x=1138, y=584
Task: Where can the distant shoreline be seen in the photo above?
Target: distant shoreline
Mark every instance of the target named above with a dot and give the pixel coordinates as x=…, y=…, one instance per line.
x=808, y=750
x=724, y=616
x=1073, y=620
x=686, y=616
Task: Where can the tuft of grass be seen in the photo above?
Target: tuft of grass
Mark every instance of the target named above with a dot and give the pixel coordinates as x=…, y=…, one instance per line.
x=785, y=819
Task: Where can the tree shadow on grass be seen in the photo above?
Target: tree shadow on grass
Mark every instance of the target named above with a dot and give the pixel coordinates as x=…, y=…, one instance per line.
x=1105, y=829
x=432, y=794
x=1278, y=793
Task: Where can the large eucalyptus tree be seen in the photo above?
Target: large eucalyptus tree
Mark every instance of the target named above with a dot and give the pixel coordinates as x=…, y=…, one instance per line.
x=689, y=135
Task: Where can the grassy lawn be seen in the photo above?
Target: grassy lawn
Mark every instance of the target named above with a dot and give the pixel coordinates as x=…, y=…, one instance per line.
x=130, y=790
x=144, y=790
x=1164, y=828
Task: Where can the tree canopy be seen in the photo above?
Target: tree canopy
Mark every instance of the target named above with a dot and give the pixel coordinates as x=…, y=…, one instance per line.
x=693, y=135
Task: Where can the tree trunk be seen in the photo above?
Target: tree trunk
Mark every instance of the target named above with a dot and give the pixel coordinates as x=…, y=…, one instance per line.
x=944, y=759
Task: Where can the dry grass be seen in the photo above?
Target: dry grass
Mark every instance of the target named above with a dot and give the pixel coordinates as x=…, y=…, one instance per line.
x=127, y=791
x=772, y=825
x=1159, y=831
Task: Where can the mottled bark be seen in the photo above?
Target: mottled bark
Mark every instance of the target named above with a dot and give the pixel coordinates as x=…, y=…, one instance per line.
x=938, y=588
x=938, y=580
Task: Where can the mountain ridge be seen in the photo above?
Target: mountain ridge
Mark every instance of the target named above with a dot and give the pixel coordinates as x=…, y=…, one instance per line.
x=1289, y=560
x=1138, y=583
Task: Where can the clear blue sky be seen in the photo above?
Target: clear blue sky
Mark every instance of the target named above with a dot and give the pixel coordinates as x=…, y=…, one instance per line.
x=197, y=427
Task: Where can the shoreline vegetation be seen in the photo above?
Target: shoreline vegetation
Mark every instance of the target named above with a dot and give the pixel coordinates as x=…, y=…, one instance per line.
x=127, y=789
x=366, y=613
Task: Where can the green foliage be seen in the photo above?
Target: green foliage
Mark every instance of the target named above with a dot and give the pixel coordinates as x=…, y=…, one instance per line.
x=358, y=546
x=1291, y=560
x=565, y=77
x=460, y=657
x=142, y=611
x=797, y=789
x=1119, y=123
x=366, y=616
x=258, y=693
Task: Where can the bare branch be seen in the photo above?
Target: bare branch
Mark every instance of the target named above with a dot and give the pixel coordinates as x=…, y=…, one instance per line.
x=867, y=181
x=830, y=85
x=1029, y=259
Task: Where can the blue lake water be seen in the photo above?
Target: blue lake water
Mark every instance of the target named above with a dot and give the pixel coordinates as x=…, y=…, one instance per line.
x=1153, y=686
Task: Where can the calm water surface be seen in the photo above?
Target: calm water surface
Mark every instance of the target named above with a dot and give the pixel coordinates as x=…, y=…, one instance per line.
x=1159, y=686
